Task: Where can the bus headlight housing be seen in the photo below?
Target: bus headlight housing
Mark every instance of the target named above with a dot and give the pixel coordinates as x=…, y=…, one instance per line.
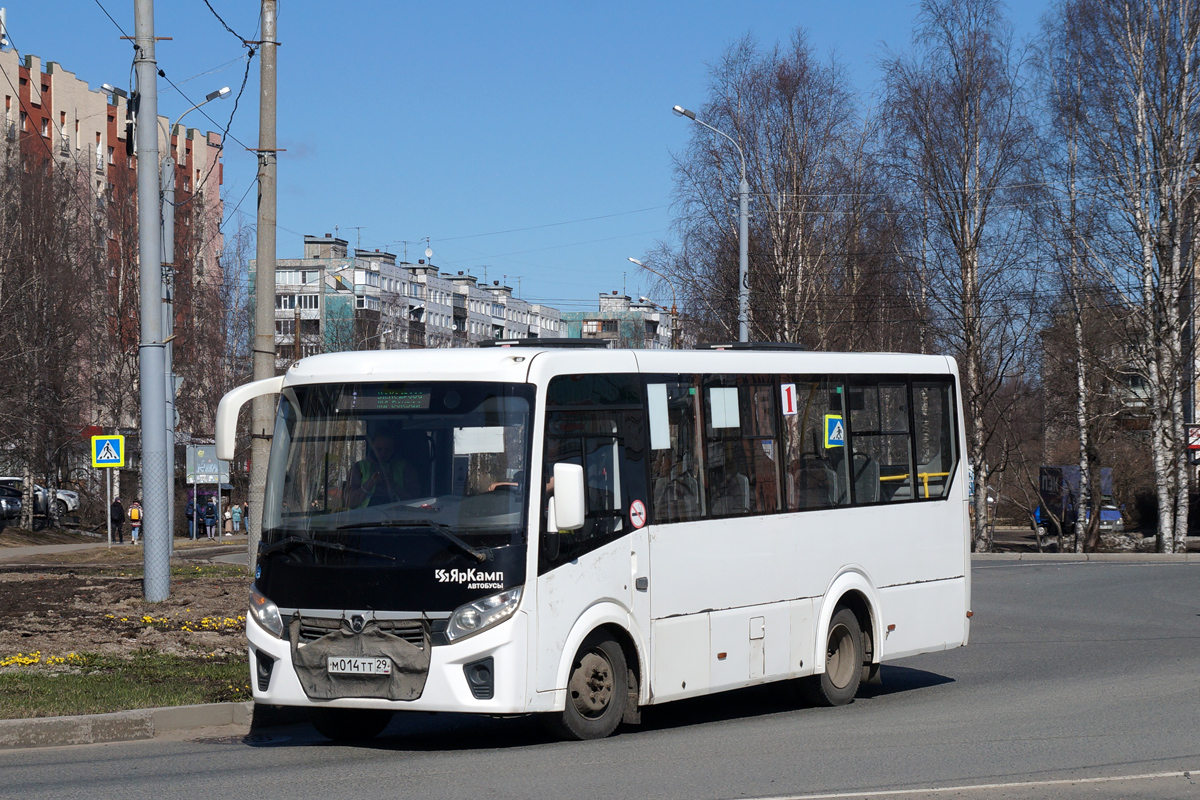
x=265, y=612
x=482, y=614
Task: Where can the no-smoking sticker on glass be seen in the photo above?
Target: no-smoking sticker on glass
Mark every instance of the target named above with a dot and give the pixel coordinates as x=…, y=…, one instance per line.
x=637, y=513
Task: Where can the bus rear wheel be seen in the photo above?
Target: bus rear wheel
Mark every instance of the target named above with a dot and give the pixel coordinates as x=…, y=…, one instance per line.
x=597, y=689
x=838, y=684
x=350, y=724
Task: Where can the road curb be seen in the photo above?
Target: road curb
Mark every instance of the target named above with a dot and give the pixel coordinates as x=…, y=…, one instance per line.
x=127, y=726
x=1129, y=557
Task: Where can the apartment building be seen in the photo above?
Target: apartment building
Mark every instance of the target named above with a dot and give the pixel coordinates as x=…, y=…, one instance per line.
x=332, y=300
x=624, y=323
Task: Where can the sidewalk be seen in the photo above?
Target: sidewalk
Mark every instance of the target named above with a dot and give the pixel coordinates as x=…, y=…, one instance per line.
x=9, y=553
x=220, y=549
x=143, y=723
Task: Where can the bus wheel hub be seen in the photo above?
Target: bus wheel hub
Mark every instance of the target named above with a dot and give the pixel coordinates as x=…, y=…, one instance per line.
x=591, y=684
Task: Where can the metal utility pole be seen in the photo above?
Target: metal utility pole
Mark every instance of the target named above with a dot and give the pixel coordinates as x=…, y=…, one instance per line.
x=743, y=254
x=168, y=325
x=743, y=228
x=151, y=362
x=263, y=409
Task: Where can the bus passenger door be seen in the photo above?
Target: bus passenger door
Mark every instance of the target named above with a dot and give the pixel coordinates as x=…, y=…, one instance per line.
x=585, y=577
x=582, y=571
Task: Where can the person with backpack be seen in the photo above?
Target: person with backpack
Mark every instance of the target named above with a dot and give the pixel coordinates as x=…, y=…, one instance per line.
x=116, y=515
x=237, y=518
x=190, y=512
x=135, y=520
x=210, y=519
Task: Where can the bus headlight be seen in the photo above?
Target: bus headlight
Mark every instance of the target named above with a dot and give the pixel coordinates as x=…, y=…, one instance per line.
x=482, y=614
x=265, y=612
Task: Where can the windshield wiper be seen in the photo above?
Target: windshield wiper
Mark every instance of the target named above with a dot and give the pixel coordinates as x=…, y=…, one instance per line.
x=477, y=553
x=289, y=541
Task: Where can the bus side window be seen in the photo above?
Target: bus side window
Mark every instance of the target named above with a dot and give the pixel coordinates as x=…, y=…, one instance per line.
x=881, y=465
x=816, y=473
x=937, y=458
x=594, y=421
x=740, y=445
x=676, y=465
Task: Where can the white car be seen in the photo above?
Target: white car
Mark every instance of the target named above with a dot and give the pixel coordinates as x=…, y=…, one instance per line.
x=65, y=502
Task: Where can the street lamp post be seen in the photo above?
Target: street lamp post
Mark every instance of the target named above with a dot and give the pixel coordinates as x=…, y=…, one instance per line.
x=674, y=304
x=743, y=229
x=167, y=176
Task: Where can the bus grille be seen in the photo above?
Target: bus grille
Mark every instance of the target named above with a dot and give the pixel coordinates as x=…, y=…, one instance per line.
x=411, y=631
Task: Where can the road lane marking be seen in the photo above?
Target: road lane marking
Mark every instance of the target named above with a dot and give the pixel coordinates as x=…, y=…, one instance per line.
x=974, y=786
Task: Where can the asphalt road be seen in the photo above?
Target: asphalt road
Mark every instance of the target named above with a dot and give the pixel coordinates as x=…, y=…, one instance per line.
x=1075, y=672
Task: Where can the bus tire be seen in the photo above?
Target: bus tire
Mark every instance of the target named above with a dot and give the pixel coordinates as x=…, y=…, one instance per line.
x=838, y=684
x=597, y=691
x=350, y=724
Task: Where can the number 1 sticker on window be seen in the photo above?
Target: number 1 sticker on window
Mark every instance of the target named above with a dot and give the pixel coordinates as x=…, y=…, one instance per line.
x=637, y=514
x=789, y=398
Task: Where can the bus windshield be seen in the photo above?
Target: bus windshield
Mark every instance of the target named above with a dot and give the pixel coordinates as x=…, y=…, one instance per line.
x=446, y=460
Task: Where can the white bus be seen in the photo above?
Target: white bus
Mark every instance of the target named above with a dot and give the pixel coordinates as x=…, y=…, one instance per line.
x=580, y=532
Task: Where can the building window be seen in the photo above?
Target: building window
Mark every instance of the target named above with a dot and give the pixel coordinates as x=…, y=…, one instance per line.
x=609, y=326
x=591, y=326
x=308, y=301
x=110, y=155
x=285, y=327
x=285, y=301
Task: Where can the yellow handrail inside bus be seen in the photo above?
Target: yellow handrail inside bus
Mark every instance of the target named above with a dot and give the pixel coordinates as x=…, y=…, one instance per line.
x=923, y=476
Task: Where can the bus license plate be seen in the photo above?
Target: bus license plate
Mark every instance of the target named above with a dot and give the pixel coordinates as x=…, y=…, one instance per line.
x=353, y=665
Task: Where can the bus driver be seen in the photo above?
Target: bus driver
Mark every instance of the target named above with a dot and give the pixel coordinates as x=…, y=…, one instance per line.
x=385, y=475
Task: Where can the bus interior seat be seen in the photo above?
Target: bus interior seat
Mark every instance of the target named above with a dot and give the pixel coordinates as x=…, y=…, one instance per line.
x=677, y=494
x=866, y=479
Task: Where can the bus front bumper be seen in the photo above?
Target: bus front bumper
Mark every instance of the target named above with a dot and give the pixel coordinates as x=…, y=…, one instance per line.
x=446, y=687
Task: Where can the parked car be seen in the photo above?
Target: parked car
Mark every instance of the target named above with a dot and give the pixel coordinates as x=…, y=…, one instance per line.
x=10, y=503
x=66, y=502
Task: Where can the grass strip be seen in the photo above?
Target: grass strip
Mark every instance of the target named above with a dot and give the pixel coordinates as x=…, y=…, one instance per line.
x=88, y=683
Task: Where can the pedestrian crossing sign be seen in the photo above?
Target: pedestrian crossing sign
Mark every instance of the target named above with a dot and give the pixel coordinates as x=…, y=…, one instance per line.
x=835, y=431
x=108, y=451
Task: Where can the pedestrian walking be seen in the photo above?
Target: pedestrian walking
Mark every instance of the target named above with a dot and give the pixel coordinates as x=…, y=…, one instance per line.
x=116, y=515
x=135, y=521
x=190, y=512
x=236, y=511
x=210, y=519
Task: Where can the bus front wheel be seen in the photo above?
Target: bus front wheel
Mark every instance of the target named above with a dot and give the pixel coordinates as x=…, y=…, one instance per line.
x=350, y=724
x=838, y=684
x=597, y=689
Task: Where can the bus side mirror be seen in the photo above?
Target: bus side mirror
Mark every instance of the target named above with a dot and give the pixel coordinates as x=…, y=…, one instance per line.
x=231, y=403
x=568, y=502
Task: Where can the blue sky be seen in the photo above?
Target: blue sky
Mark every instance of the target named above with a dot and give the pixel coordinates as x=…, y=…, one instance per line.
x=529, y=141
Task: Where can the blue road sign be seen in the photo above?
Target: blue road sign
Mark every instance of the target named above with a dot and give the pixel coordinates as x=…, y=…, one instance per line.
x=108, y=451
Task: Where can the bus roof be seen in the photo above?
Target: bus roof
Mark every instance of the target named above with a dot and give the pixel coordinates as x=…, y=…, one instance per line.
x=513, y=364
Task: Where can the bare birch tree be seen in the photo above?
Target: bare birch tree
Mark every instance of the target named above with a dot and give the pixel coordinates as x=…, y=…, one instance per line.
x=959, y=138
x=822, y=267
x=1139, y=140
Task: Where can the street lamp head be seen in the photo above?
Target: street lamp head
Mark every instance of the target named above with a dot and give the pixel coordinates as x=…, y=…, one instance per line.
x=635, y=261
x=218, y=93
x=680, y=111
x=114, y=91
